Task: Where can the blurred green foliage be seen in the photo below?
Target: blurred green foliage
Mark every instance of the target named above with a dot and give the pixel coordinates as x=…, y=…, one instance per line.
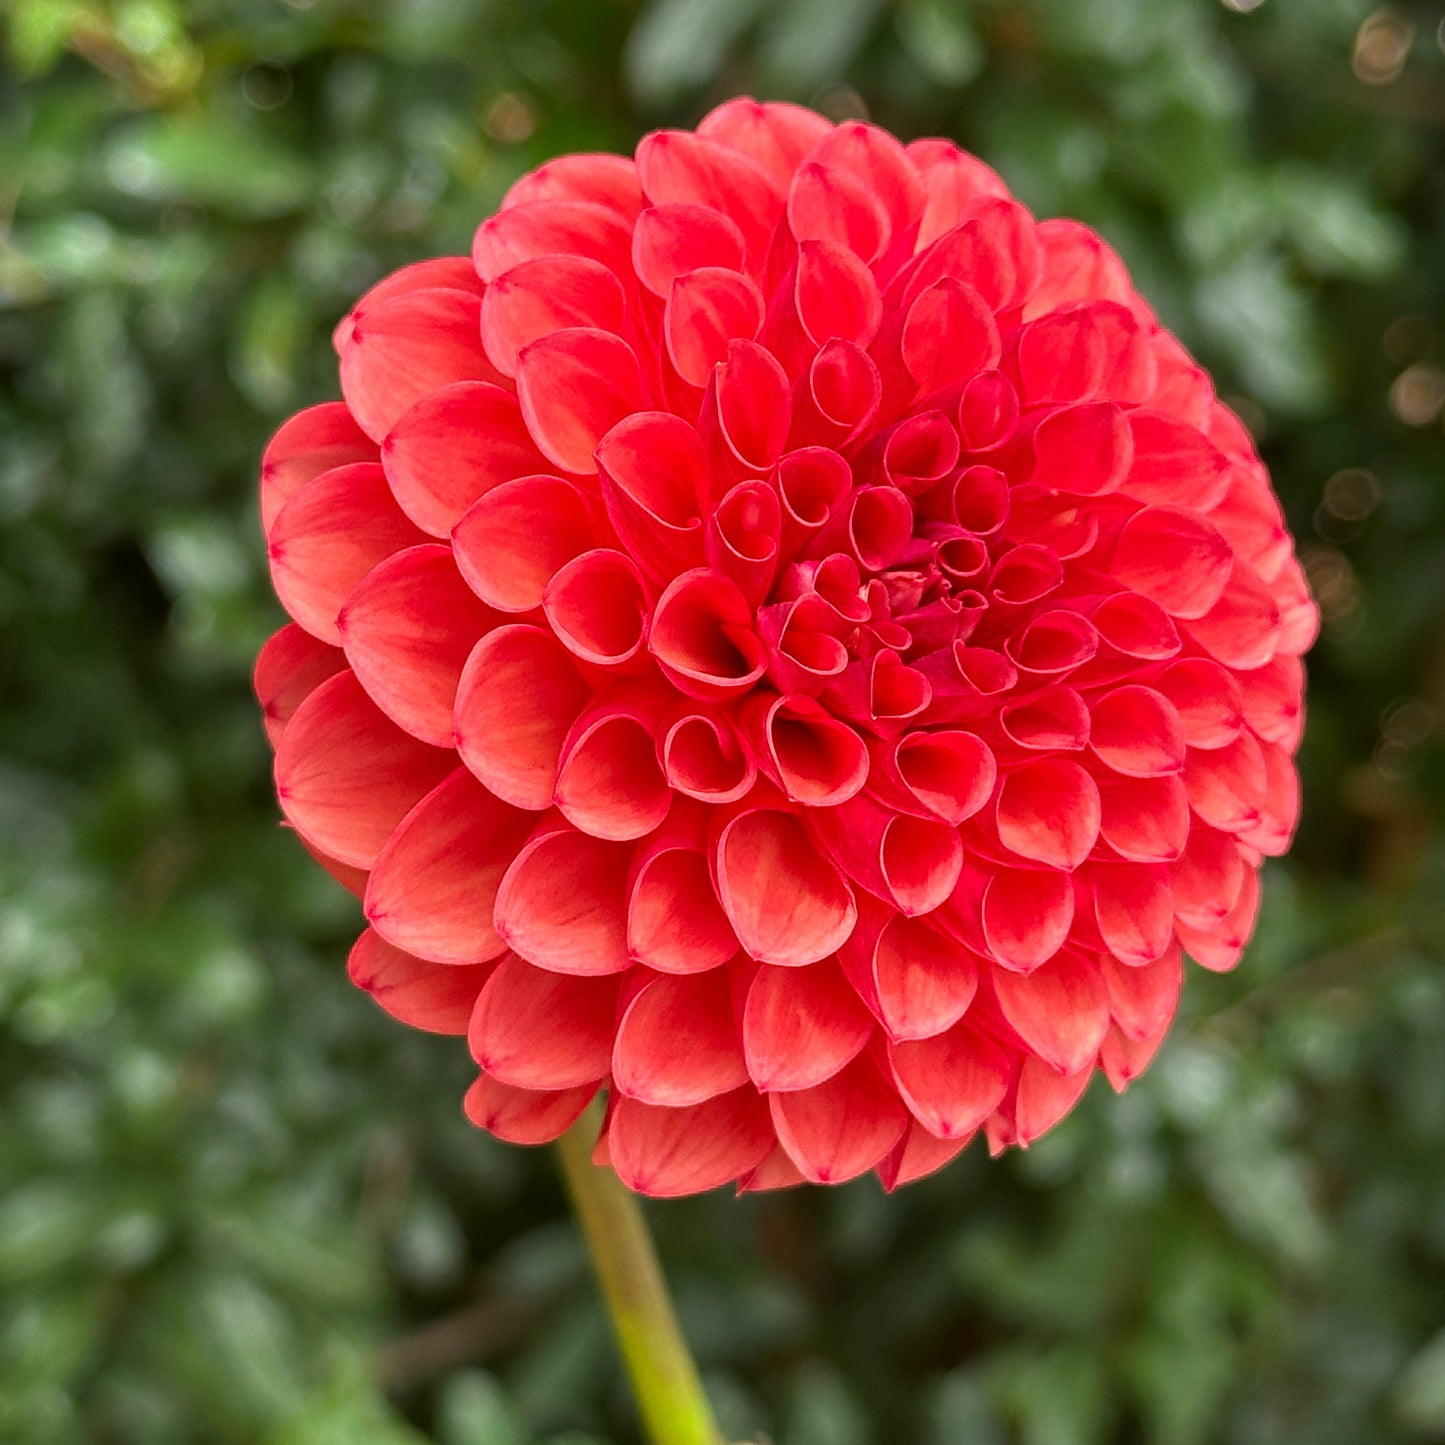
x=238, y=1205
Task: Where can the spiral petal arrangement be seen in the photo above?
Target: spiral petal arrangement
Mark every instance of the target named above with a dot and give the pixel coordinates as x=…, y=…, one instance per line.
x=785, y=638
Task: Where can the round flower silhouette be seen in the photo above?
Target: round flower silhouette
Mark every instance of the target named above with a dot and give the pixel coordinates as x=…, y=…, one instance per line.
x=785, y=638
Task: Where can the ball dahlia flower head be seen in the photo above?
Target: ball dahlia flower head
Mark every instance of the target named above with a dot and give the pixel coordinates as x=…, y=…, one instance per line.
x=785, y=638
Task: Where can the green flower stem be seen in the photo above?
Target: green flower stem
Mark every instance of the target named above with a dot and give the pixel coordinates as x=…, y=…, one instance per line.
x=664, y=1377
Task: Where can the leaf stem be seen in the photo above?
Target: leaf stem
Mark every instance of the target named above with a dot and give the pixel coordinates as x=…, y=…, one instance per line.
x=664, y=1377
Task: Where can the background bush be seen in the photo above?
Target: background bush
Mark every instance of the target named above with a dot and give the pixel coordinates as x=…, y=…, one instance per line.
x=237, y=1204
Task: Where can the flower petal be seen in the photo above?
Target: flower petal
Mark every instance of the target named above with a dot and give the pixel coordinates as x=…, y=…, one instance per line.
x=328, y=537
x=518, y=696
x=346, y=775
x=435, y=997
x=787, y=904
x=562, y=904
x=535, y=1029
x=452, y=446
x=801, y=1025
x=669, y=1152
x=677, y=1042
x=841, y=1128
x=407, y=630
x=409, y=346
x=434, y=885
x=524, y=1116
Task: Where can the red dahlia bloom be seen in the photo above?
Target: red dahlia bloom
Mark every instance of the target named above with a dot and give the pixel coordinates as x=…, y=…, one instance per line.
x=784, y=637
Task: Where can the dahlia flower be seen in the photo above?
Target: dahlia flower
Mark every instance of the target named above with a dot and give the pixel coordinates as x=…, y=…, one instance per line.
x=785, y=638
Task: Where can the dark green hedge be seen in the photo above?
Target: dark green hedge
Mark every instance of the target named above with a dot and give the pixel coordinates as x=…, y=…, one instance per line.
x=238, y=1205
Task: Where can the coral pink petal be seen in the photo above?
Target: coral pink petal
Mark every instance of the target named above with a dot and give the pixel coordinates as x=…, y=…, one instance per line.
x=453, y=446
x=346, y=775
x=950, y=773
x=562, y=903
x=1136, y=627
x=1043, y=1097
x=801, y=1026
x=816, y=760
x=826, y=204
x=924, y=982
x=595, y=605
x=1226, y=785
x=1060, y=357
x=290, y=667
x=912, y=862
x=512, y=542
x=1174, y=464
x=674, y=922
x=313, y=441
x=1173, y=557
x=703, y=758
x=1273, y=701
x=668, y=1152
x=1027, y=914
x=678, y=1042
x=407, y=630
x=446, y=273
x=787, y=903
x=1049, y=812
x=1136, y=731
x=678, y=167
x=952, y=1081
x=953, y=181
x=747, y=411
x=654, y=477
x=602, y=179
x=1078, y=267
x=835, y=295
x=919, y=1154
x=877, y=161
x=841, y=1128
x=777, y=1171
x=1206, y=880
x=1084, y=449
x=546, y=294
x=1219, y=948
x=701, y=635
x=435, y=883
x=743, y=537
x=1052, y=717
x=524, y=1116
x=1123, y=1059
x=773, y=134
x=574, y=387
x=1143, y=997
x=1144, y=819
x=706, y=309
x=328, y=537
x=609, y=782
x=352, y=879
x=838, y=397
x=949, y=336
x=988, y=408
x=1134, y=910
x=407, y=347
x=539, y=1030
x=518, y=696
x=670, y=241
x=1245, y=627
x=562, y=227
x=812, y=483
x=431, y=996
x=1060, y=1010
